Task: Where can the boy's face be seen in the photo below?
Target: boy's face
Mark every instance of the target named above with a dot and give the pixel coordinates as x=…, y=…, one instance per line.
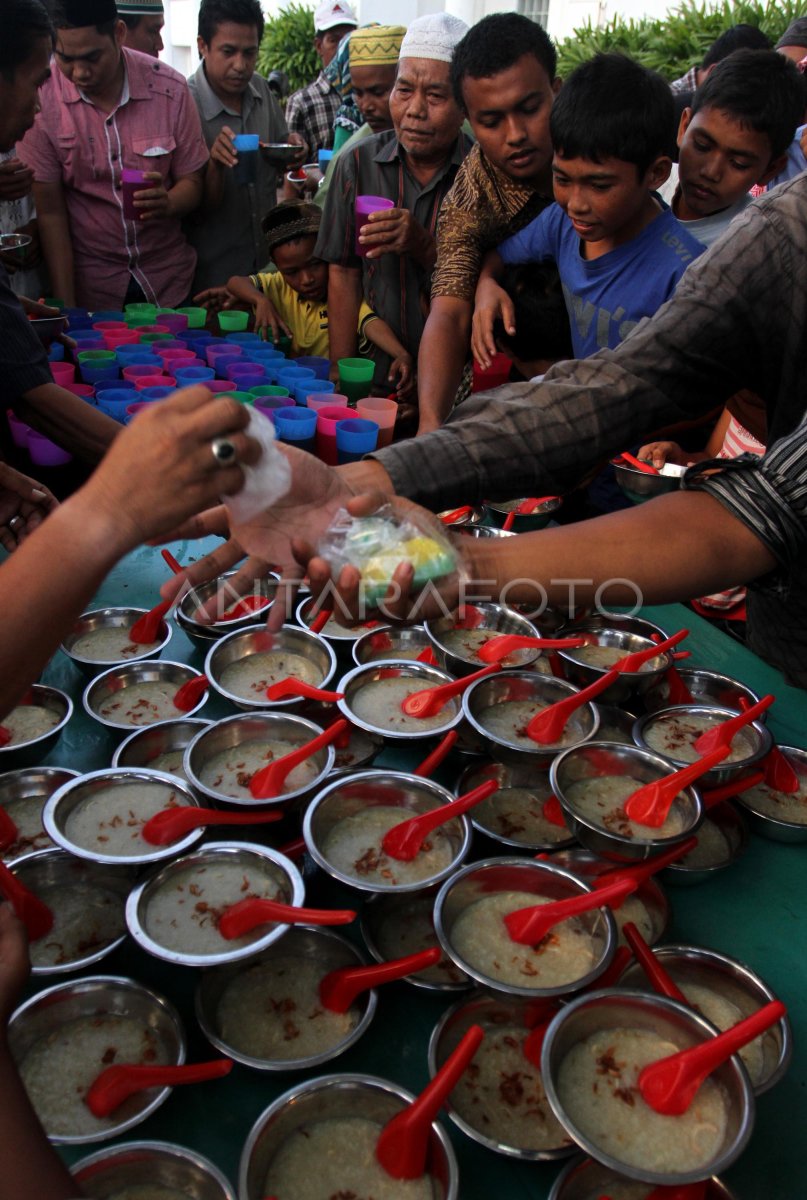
x=230, y=58
x=606, y=201
x=296, y=263
x=719, y=159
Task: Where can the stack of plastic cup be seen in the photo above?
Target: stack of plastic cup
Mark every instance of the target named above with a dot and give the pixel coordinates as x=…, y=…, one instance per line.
x=320, y=366
x=327, y=418
x=297, y=426
x=354, y=439
x=356, y=378
x=233, y=321
x=381, y=410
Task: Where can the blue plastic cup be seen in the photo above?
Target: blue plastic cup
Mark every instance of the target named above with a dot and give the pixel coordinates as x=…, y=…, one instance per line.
x=56, y=352
x=156, y=393
x=117, y=385
x=242, y=337
x=314, y=362
x=89, y=343
x=290, y=376
x=355, y=438
x=245, y=170
x=323, y=159
x=108, y=315
x=132, y=356
x=222, y=362
x=97, y=374
x=187, y=376
x=265, y=350
x=305, y=389
x=114, y=402
x=297, y=426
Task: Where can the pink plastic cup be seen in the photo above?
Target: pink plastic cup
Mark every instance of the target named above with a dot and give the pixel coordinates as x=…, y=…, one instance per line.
x=63, y=372
x=131, y=182
x=85, y=390
x=493, y=376
x=175, y=354
x=147, y=381
x=320, y=400
x=327, y=417
x=111, y=327
x=384, y=412
x=218, y=385
x=120, y=337
x=364, y=206
x=142, y=371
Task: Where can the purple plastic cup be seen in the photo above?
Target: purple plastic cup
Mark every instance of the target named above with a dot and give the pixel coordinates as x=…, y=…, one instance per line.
x=132, y=181
x=221, y=347
x=243, y=366
x=221, y=362
x=138, y=370
x=19, y=430
x=45, y=453
x=364, y=206
x=269, y=405
x=174, y=322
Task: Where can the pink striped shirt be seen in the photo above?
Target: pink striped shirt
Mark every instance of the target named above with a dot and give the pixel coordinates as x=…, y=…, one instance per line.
x=154, y=128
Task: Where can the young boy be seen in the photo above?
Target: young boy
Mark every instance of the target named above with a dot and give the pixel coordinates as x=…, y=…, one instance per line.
x=294, y=299
x=620, y=252
x=735, y=135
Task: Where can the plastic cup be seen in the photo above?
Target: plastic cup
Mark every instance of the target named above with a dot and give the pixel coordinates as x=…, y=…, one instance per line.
x=245, y=366
x=174, y=322
x=356, y=378
x=131, y=182
x=233, y=321
x=114, y=402
x=246, y=382
x=219, y=385
x=212, y=352
x=323, y=159
x=138, y=356
x=141, y=310
x=240, y=337
x=245, y=170
x=297, y=426
x=103, y=327
x=84, y=390
x=197, y=317
x=265, y=351
x=327, y=418
x=241, y=397
x=121, y=337
x=45, y=453
x=493, y=376
x=19, y=430
x=363, y=207
x=188, y=376
x=155, y=393
x=137, y=407
x=269, y=405
x=381, y=410
x=221, y=363
x=155, y=380
x=96, y=356
x=355, y=438
x=88, y=343
x=173, y=353
x=118, y=385
x=319, y=399
x=139, y=370
x=56, y=352
x=107, y=314
x=290, y=376
x=63, y=372
x=320, y=366
x=153, y=327
x=95, y=373
x=262, y=390
x=303, y=390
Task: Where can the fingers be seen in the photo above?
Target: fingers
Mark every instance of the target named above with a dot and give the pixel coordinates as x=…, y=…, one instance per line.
x=283, y=608
x=508, y=317
x=212, y=521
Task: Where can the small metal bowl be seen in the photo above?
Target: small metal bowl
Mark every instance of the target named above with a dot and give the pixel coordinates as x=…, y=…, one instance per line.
x=278, y=154
x=111, y=618
x=597, y=760
x=490, y=817
x=31, y=753
x=593, y=622
x=236, y=732
x=59, y=808
x=360, y=677
x=52, y=875
x=23, y=795
x=763, y=823
x=479, y=531
x=649, y=895
x=606, y=1010
x=110, y=1172
x=410, y=917
x=499, y=510
x=390, y=643
x=705, y=687
x=738, y=984
x=616, y=724
x=118, y=679
x=584, y=1178
x=203, y=633
x=542, y=879
x=146, y=746
x=472, y=517
x=323, y=947
x=94, y=996
x=327, y=1098
x=491, y=617
x=364, y=790
x=639, y=486
x=629, y=684
x=339, y=637
x=759, y=734
x=274, y=866
x=543, y=690
x=731, y=826
x=495, y=1015
x=244, y=643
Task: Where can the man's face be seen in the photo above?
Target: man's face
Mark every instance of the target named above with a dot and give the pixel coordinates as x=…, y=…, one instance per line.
x=146, y=35
x=89, y=59
x=509, y=114
x=605, y=201
x=424, y=112
x=371, y=91
x=719, y=159
x=19, y=96
x=326, y=44
x=230, y=58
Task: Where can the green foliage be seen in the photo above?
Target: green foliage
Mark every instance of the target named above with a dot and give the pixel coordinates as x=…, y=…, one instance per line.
x=672, y=45
x=288, y=45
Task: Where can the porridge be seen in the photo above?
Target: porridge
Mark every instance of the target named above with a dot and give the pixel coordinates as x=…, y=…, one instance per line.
x=29, y=721
x=26, y=813
x=85, y=919
x=508, y=721
x=466, y=644
x=602, y=800
x=250, y=677
x=378, y=703
x=140, y=703
x=714, y=848
x=516, y=813
x=408, y=927
x=230, y=771
x=675, y=735
x=170, y=762
x=354, y=847
x=607, y=656
x=110, y=820
x=781, y=806
x=724, y=1013
x=111, y=645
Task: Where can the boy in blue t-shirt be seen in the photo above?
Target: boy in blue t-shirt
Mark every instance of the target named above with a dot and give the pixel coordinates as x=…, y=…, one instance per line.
x=619, y=250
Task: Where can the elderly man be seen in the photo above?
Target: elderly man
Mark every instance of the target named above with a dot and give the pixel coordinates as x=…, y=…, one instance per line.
x=413, y=165
x=104, y=110
x=144, y=20
x=311, y=111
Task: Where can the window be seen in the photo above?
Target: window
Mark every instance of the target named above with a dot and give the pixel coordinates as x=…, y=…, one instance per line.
x=536, y=10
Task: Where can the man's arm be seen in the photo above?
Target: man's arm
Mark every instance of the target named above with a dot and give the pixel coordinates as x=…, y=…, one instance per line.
x=54, y=234
x=344, y=301
x=67, y=420
x=161, y=203
x=441, y=359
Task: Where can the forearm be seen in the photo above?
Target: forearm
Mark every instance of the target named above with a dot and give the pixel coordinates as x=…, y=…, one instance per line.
x=492, y=266
x=244, y=290
x=379, y=333
x=344, y=300
x=31, y=1167
x=441, y=359
x=57, y=250
x=185, y=195
x=68, y=420
x=368, y=475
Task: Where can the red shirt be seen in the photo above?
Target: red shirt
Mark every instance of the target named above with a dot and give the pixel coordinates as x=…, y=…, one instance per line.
x=154, y=128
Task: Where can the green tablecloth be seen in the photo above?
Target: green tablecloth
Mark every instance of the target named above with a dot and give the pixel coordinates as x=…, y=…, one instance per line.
x=756, y=912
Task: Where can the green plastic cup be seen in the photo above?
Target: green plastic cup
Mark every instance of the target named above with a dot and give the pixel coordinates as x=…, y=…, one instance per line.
x=142, y=310
x=135, y=320
x=156, y=337
x=96, y=356
x=241, y=397
x=233, y=322
x=196, y=317
x=269, y=389
x=355, y=378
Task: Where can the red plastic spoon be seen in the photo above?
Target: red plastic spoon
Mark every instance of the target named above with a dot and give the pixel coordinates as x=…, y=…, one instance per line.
x=534, y=1041
x=632, y=662
x=248, y=914
x=639, y=463
x=5, y=735
x=297, y=687
x=499, y=647
x=727, y=791
x=117, y=1083
x=33, y=912
x=190, y=693
x=441, y=751
x=339, y=988
x=8, y=830
x=404, y=1141
x=245, y=607
x=553, y=813
x=548, y=725
x=268, y=782
x=670, y=1085
x=660, y=979
x=173, y=823
x=429, y=701
x=427, y=656
x=456, y=514
x=723, y=733
x=321, y=620
x=529, y=926
x=404, y=841
x=147, y=628
x=644, y=871
x=651, y=803
x=524, y=509
x=779, y=773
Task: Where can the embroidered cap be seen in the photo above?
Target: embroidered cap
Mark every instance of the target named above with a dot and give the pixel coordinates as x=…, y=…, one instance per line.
x=433, y=36
x=376, y=45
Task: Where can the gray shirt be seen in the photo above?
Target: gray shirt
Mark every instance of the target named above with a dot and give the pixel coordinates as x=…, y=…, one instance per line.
x=229, y=240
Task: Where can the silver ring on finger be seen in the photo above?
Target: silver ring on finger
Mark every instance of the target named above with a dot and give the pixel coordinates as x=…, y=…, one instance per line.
x=15, y=522
x=224, y=452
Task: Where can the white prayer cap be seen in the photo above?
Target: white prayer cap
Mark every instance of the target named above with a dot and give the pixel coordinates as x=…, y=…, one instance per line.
x=433, y=36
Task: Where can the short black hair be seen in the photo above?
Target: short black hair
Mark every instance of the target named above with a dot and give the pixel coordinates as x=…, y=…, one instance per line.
x=213, y=13
x=612, y=107
x=738, y=37
x=25, y=22
x=542, y=319
x=62, y=21
x=496, y=43
x=761, y=89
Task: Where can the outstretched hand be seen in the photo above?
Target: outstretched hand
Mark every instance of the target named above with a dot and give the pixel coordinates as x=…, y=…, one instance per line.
x=24, y=504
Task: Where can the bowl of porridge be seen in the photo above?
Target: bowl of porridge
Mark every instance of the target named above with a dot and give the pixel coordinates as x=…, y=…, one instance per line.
x=202, y=633
x=138, y=694
x=648, y=908
x=500, y=708
x=160, y=747
x=593, y=622
x=513, y=816
x=498, y=511
x=243, y=665
x=150, y=1171
x=639, y=486
x=101, y=639
x=616, y=724
x=457, y=639
x=586, y=1179
x=394, y=925
x=88, y=902
x=586, y=664
x=781, y=816
x=593, y=1053
x=374, y=694
x=23, y=795
x=672, y=733
x=339, y=636
x=469, y=918
x=221, y=760
x=705, y=687
x=100, y=815
x=174, y=913
x=592, y=783
x=499, y=1101
x=266, y=1013
x=318, y=1140
x=725, y=991
x=35, y=724
x=722, y=838
x=64, y=1037
x=391, y=642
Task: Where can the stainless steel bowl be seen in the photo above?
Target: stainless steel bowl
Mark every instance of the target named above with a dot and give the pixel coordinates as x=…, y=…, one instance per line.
x=111, y=618
x=116, y=680
x=31, y=753
x=639, y=486
x=605, y=1010
x=593, y=622
x=23, y=795
x=271, y=864
x=584, y=1178
x=411, y=918
x=629, y=684
x=705, y=687
x=490, y=818
x=541, y=879
x=326, y=1098
x=390, y=642
x=339, y=637
x=100, y=995
x=479, y=531
x=144, y=746
x=473, y=517
x=759, y=734
x=738, y=984
x=279, y=154
x=203, y=633
x=323, y=947
x=732, y=826
x=649, y=894
x=52, y=875
x=372, y=789
x=111, y=1171
x=64, y=802
x=235, y=647
x=597, y=760
x=353, y=682
x=616, y=724
x=543, y=690
x=254, y=727
x=499, y=510
x=496, y=617
x=777, y=829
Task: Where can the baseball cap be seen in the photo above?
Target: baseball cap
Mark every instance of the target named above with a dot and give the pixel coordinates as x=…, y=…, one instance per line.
x=331, y=13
